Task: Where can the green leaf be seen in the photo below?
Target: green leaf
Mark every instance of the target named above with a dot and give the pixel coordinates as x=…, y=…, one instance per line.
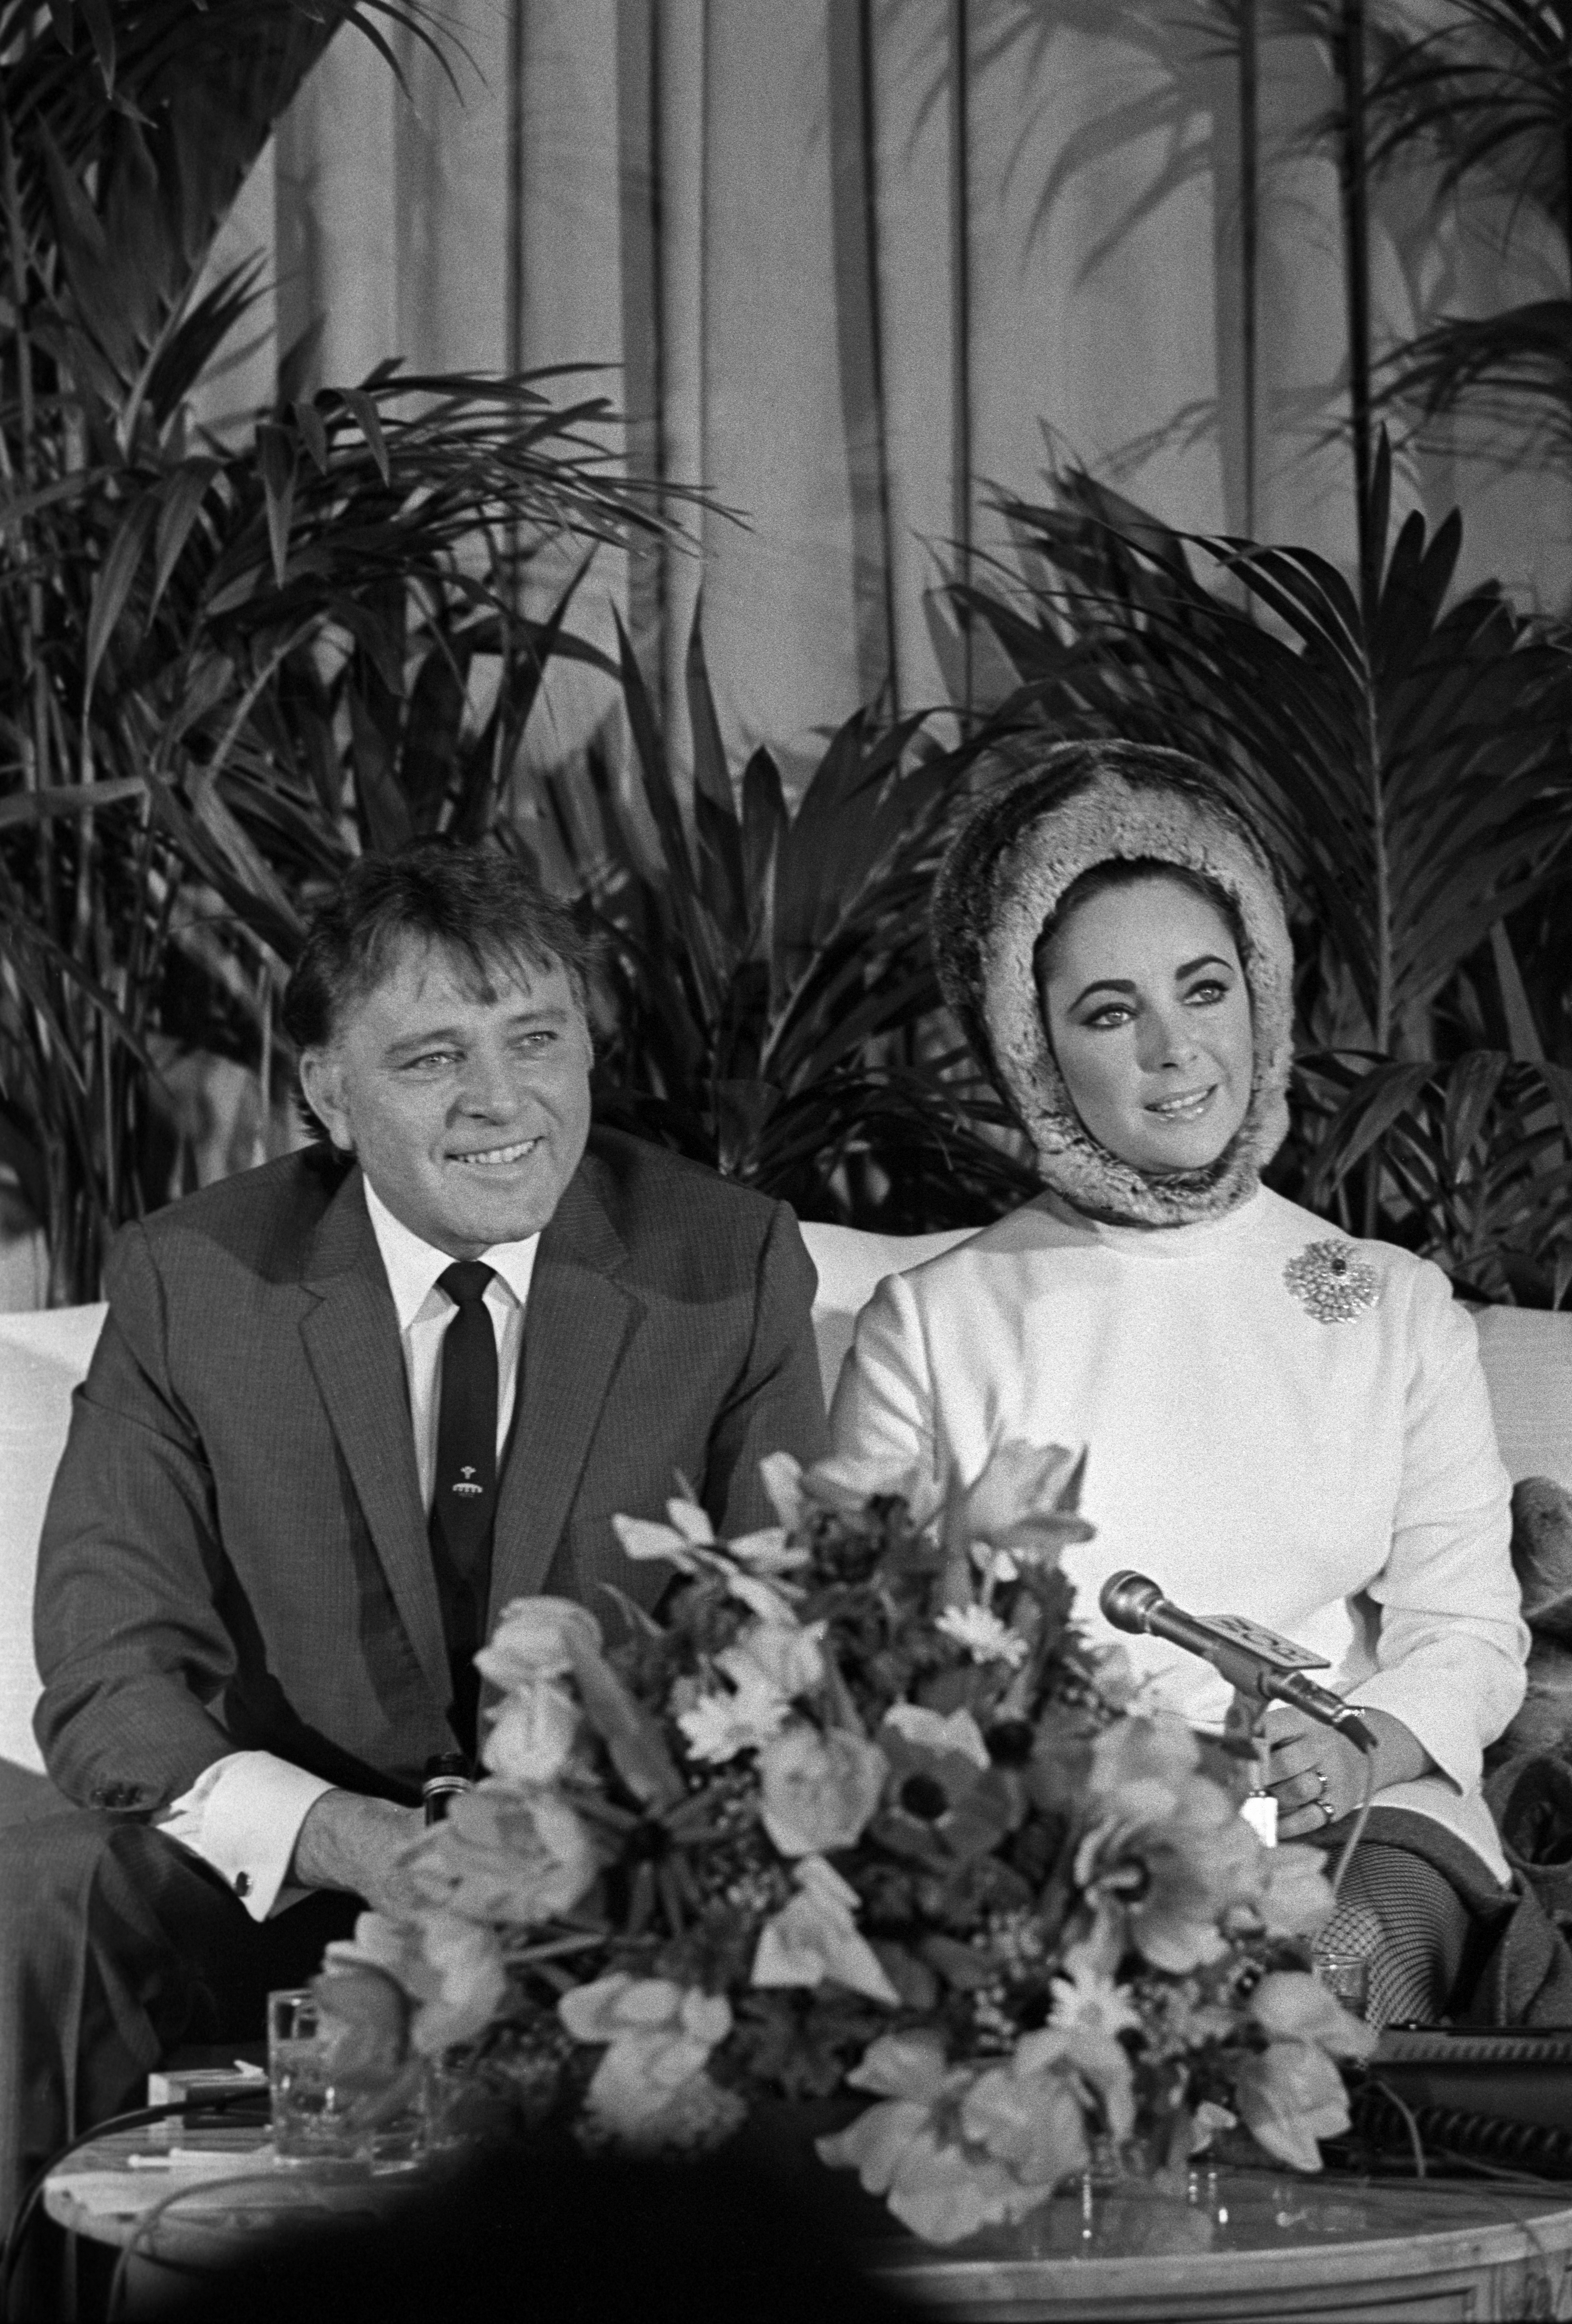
x=360, y=404
x=69, y=798
x=313, y=434
x=1472, y=1084
x=276, y=461
x=713, y=807
x=100, y=26
x=1379, y=1099
x=181, y=499
x=113, y=584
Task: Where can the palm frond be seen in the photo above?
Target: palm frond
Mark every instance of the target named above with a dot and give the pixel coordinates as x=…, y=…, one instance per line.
x=771, y=1000
x=1410, y=768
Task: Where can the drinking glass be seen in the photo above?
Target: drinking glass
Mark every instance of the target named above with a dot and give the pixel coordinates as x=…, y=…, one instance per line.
x=311, y=2118
x=1348, y=1975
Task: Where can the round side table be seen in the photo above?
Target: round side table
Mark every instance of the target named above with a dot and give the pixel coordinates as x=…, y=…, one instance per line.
x=176, y=2211
x=1271, y=2246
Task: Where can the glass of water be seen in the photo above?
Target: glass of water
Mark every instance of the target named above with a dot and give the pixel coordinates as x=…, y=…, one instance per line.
x=312, y=2119
x=1348, y=1975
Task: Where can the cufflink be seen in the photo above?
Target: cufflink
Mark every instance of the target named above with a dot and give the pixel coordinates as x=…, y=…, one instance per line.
x=117, y=1796
x=243, y=1884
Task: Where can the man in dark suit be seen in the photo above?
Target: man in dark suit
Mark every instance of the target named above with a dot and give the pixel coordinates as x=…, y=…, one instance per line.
x=292, y=1504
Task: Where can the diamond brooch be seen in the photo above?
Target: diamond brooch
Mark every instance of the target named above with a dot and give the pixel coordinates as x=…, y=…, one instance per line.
x=1332, y=1281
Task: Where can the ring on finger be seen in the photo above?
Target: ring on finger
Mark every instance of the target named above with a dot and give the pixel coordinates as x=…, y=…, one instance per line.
x=1328, y=1810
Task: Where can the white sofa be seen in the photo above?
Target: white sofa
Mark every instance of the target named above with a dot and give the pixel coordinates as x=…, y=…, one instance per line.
x=1527, y=1356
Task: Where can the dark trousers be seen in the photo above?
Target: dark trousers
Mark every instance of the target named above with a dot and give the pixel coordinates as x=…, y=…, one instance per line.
x=118, y=1948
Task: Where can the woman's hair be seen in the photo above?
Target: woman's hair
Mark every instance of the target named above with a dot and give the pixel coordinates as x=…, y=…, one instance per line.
x=485, y=907
x=1117, y=872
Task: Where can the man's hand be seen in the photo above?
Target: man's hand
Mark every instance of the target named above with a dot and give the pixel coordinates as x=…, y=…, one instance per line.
x=353, y=1843
x=1318, y=1777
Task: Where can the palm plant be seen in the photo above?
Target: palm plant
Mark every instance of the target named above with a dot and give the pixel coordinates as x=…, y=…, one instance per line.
x=775, y=1007
x=1408, y=764
x=223, y=666
x=1483, y=91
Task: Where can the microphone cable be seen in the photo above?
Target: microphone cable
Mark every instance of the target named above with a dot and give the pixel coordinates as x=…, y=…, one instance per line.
x=137, y=2118
x=1361, y=1817
x=1446, y=2134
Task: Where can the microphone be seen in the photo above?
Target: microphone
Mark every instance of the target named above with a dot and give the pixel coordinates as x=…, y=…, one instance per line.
x=1255, y=1661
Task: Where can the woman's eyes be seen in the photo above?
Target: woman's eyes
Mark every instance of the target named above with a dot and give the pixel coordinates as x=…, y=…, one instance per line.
x=1115, y=1013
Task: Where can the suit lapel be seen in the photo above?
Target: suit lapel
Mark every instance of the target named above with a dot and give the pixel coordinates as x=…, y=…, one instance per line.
x=352, y=1343
x=577, y=1323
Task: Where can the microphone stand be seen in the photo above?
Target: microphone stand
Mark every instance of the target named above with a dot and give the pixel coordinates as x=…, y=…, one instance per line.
x=1247, y=1749
x=1261, y=1669
x=1245, y=1744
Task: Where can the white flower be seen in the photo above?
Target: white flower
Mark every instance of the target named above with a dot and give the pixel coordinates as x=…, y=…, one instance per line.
x=531, y=1734
x=768, y=1551
x=658, y=2035
x=985, y=1636
x=781, y=1473
x=538, y=1639
x=767, y=1665
x=816, y=1936
x=759, y=1597
x=1019, y=1511
x=847, y=1482
x=781, y=1656
x=642, y=1539
x=817, y=1790
x=930, y=1731
x=1086, y=1996
x=719, y=1726
x=451, y=1969
x=691, y=1522
x=689, y=1542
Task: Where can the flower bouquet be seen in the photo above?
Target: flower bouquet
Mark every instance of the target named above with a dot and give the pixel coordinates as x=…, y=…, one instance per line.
x=860, y=1812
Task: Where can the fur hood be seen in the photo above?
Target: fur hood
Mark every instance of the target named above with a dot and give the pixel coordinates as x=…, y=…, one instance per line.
x=1026, y=839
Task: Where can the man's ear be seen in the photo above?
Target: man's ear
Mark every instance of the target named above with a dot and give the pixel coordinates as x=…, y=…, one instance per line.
x=322, y=1087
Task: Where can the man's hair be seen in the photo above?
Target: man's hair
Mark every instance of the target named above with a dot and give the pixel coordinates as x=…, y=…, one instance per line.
x=483, y=906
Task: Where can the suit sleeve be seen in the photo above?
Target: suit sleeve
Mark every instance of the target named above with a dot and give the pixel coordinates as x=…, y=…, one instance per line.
x=1451, y=1644
x=130, y=1644
x=778, y=1403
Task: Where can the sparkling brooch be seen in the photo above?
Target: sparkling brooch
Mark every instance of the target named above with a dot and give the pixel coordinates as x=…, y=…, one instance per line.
x=1332, y=1281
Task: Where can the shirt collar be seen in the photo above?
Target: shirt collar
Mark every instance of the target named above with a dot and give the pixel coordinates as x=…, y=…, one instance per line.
x=414, y=1265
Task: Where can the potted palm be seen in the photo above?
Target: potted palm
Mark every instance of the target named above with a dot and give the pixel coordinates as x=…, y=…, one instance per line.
x=226, y=664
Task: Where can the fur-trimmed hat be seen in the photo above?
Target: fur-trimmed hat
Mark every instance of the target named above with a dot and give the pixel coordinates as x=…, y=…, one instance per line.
x=1073, y=806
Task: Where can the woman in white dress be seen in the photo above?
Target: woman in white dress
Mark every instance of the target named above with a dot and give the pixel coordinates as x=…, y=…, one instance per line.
x=1282, y=1422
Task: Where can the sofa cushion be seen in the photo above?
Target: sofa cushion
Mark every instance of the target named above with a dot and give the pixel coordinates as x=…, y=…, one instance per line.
x=851, y=1265
x=1527, y=1355
x=42, y=1356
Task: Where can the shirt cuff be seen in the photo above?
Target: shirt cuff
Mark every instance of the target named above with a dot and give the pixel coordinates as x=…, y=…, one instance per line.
x=243, y=1816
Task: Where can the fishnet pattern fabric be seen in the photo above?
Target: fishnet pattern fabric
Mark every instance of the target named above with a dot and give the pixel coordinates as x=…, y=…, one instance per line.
x=1404, y=1918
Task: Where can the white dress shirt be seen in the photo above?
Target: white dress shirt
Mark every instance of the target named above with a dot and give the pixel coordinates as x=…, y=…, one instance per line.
x=244, y=1813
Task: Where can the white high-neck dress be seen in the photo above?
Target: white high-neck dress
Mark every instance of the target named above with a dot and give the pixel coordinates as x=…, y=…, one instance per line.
x=1335, y=1479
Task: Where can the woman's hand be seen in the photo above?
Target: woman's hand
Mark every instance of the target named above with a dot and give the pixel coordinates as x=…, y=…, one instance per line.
x=1318, y=1777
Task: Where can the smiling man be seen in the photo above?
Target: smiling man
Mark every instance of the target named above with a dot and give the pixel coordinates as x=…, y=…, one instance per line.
x=345, y=1408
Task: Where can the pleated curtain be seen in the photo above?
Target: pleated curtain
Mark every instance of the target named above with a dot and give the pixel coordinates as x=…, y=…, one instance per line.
x=857, y=266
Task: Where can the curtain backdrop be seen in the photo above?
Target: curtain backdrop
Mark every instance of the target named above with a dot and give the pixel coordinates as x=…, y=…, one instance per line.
x=857, y=265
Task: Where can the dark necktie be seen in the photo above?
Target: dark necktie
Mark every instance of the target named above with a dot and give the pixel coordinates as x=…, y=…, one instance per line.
x=464, y=1494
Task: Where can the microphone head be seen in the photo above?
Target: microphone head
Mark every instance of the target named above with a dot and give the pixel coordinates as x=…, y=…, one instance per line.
x=1126, y=1600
